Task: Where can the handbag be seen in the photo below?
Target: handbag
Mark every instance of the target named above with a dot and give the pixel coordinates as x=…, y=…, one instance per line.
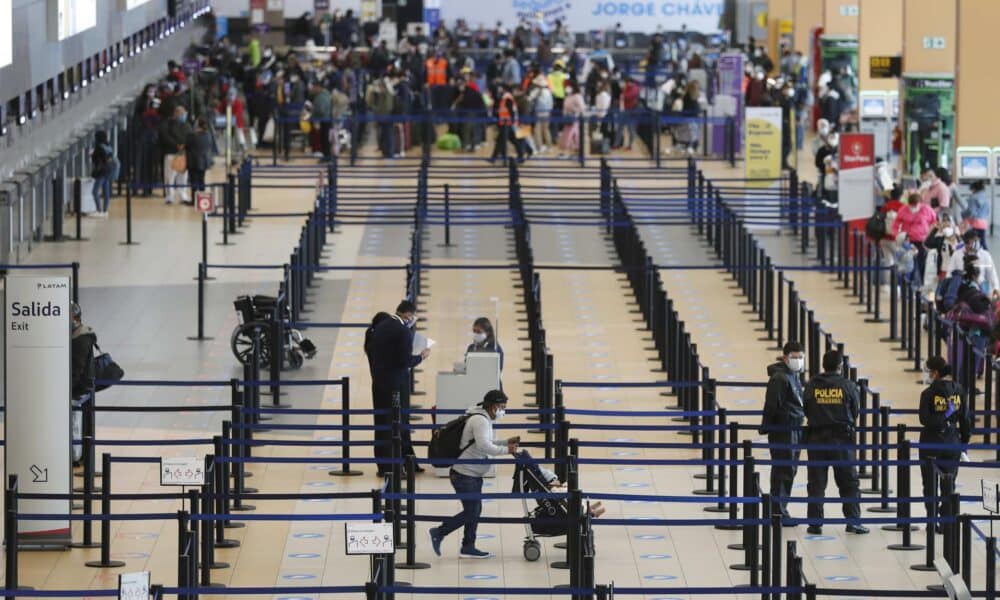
x=179, y=163
x=106, y=369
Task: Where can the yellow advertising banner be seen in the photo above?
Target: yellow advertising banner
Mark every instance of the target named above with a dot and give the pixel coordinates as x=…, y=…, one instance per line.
x=762, y=163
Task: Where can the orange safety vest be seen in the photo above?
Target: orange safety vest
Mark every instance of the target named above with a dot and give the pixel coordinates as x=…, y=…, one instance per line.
x=437, y=71
x=504, y=115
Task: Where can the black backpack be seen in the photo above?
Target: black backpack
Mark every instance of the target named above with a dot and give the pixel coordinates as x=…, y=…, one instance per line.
x=446, y=442
x=875, y=227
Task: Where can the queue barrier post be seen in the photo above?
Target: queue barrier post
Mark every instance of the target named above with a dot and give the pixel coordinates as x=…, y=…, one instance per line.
x=88, y=491
x=750, y=511
x=210, y=495
x=11, y=543
x=863, y=422
x=345, y=422
x=903, y=486
x=991, y=568
x=202, y=275
x=883, y=467
x=186, y=576
x=708, y=405
x=763, y=533
x=199, y=534
x=221, y=489
x=411, y=524
x=396, y=475
x=724, y=428
x=966, y=550
x=75, y=268
x=932, y=520
x=128, y=215
x=776, y=548
x=241, y=447
x=105, y=562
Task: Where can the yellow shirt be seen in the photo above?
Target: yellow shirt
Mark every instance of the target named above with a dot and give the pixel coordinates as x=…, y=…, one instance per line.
x=557, y=83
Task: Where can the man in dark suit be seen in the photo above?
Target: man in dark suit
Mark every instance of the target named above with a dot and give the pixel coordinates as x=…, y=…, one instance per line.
x=390, y=353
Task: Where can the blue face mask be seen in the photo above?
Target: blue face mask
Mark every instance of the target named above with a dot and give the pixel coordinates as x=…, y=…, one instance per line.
x=182, y=118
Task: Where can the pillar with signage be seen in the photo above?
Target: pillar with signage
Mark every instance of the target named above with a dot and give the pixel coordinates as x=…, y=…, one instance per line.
x=856, y=190
x=37, y=329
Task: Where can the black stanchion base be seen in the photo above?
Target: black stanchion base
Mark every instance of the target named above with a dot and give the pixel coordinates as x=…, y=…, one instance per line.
x=243, y=508
x=203, y=338
x=76, y=506
x=704, y=476
x=136, y=244
x=904, y=547
x=870, y=491
x=538, y=431
x=216, y=565
x=739, y=547
x=415, y=566
x=560, y=564
x=889, y=339
x=721, y=509
x=923, y=568
x=278, y=404
x=742, y=567
x=532, y=418
x=82, y=545
x=233, y=525
x=418, y=393
x=560, y=545
x=882, y=509
x=61, y=238
x=225, y=243
x=212, y=585
x=935, y=587
x=348, y=473
x=402, y=583
x=111, y=564
x=227, y=543
x=898, y=527
x=705, y=492
x=874, y=320
x=864, y=476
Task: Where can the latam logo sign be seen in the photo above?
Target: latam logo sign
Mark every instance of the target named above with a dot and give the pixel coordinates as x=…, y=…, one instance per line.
x=857, y=151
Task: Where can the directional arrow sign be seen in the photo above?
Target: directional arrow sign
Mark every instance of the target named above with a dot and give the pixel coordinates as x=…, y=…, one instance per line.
x=38, y=474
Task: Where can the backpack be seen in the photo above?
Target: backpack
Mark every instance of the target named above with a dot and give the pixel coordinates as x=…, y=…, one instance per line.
x=876, y=227
x=446, y=442
x=946, y=295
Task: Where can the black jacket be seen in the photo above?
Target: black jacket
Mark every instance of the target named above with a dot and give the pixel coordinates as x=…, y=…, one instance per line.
x=82, y=360
x=943, y=413
x=198, y=147
x=832, y=403
x=783, y=409
x=390, y=352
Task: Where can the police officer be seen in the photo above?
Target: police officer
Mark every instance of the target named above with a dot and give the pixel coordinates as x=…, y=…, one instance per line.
x=782, y=421
x=945, y=420
x=832, y=408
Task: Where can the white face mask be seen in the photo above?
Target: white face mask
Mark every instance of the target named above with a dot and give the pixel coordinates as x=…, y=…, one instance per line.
x=948, y=231
x=797, y=365
x=501, y=413
x=914, y=208
x=479, y=338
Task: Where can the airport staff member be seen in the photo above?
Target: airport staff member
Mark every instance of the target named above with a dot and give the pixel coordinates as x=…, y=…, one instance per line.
x=390, y=355
x=832, y=405
x=477, y=440
x=484, y=339
x=944, y=419
x=782, y=420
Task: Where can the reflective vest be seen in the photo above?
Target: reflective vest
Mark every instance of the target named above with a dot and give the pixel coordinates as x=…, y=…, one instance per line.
x=504, y=114
x=557, y=83
x=437, y=71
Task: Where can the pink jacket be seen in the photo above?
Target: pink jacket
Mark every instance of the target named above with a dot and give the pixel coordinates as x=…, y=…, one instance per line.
x=916, y=225
x=938, y=190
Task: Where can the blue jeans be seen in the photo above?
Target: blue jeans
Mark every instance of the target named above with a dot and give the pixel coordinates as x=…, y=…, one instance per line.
x=102, y=186
x=471, y=509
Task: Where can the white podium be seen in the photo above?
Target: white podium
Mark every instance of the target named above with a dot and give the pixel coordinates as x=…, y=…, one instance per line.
x=466, y=386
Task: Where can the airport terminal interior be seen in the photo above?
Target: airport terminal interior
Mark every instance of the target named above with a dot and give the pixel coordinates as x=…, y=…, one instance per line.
x=661, y=300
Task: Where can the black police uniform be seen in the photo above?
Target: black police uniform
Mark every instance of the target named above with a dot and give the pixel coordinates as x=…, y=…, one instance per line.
x=945, y=420
x=832, y=407
x=782, y=422
x=390, y=356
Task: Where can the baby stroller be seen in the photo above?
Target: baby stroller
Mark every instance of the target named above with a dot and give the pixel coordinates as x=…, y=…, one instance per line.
x=256, y=316
x=549, y=517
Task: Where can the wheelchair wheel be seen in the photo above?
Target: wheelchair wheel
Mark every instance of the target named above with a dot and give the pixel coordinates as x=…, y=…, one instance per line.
x=532, y=550
x=295, y=359
x=242, y=340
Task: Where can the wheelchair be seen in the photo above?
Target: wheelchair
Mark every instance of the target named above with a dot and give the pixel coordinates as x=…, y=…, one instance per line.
x=256, y=316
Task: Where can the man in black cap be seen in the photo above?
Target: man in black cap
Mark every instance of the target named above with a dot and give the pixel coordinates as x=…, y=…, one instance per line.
x=390, y=354
x=477, y=443
x=832, y=406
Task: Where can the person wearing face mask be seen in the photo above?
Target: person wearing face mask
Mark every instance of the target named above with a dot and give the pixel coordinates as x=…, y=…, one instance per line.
x=173, y=134
x=976, y=215
x=987, y=280
x=484, y=339
x=477, y=443
x=390, y=355
x=933, y=191
x=941, y=243
x=782, y=421
x=832, y=405
x=944, y=419
x=915, y=222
